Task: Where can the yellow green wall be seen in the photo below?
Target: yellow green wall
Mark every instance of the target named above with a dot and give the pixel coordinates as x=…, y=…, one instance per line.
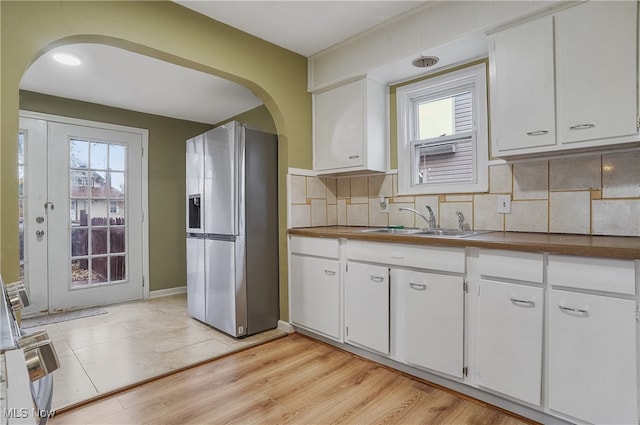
x=166, y=31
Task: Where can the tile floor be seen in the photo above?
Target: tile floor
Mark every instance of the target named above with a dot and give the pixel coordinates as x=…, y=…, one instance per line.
x=134, y=341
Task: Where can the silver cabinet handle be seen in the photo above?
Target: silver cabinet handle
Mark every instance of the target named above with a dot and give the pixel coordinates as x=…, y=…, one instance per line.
x=582, y=126
x=418, y=286
x=329, y=272
x=376, y=278
x=537, y=133
x=397, y=257
x=354, y=156
x=521, y=301
x=574, y=309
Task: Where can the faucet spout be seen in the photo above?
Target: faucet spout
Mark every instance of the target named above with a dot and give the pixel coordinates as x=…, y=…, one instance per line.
x=431, y=221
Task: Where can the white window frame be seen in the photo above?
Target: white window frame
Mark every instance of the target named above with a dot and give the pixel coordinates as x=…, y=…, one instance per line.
x=473, y=78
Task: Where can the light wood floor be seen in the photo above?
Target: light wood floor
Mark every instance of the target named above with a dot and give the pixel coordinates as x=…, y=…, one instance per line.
x=293, y=380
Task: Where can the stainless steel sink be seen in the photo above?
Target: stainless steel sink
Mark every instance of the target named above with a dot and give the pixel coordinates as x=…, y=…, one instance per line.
x=452, y=233
x=449, y=233
x=394, y=231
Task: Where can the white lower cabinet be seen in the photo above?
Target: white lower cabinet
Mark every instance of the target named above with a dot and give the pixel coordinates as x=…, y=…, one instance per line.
x=367, y=306
x=433, y=320
x=315, y=294
x=510, y=323
x=593, y=357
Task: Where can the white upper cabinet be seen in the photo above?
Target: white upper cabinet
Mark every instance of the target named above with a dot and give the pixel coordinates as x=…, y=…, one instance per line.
x=596, y=71
x=349, y=128
x=522, y=93
x=566, y=81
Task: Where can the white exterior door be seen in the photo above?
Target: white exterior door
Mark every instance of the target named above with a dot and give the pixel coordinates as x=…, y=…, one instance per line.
x=84, y=217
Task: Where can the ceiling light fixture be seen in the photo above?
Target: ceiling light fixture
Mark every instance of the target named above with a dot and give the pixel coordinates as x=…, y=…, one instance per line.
x=425, y=61
x=66, y=59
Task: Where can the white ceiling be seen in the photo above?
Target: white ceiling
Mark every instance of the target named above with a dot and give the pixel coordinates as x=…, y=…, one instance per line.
x=304, y=26
x=119, y=78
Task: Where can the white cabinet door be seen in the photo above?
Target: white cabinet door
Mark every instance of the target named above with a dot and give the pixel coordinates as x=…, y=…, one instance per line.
x=367, y=306
x=434, y=320
x=510, y=319
x=315, y=294
x=348, y=128
x=593, y=357
x=596, y=74
x=522, y=86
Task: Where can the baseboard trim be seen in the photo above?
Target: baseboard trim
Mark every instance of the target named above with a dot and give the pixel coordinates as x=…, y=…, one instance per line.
x=168, y=292
x=285, y=327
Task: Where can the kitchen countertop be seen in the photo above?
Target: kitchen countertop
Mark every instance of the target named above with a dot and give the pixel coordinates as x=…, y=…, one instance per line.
x=620, y=247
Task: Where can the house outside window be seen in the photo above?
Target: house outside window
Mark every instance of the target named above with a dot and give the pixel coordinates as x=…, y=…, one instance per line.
x=443, y=133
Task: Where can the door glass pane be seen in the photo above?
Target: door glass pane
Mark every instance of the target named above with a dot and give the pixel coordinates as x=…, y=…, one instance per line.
x=116, y=240
x=98, y=212
x=79, y=242
x=117, y=157
x=21, y=197
x=99, y=272
x=99, y=241
x=117, y=270
x=117, y=185
x=79, y=154
x=79, y=272
x=99, y=156
x=99, y=184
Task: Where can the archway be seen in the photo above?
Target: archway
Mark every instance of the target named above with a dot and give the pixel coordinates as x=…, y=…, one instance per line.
x=165, y=31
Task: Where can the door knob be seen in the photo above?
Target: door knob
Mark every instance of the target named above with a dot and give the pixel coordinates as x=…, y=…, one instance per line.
x=39, y=233
x=39, y=220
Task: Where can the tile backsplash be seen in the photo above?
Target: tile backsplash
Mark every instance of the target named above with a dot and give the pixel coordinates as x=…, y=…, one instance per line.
x=593, y=194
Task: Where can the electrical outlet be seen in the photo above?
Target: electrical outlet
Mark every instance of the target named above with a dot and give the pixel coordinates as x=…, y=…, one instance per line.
x=384, y=205
x=504, y=204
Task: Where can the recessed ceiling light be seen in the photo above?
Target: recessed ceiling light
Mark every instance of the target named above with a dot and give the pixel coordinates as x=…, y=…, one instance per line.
x=66, y=59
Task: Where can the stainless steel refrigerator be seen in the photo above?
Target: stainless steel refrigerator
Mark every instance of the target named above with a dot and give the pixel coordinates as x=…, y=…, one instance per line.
x=232, y=229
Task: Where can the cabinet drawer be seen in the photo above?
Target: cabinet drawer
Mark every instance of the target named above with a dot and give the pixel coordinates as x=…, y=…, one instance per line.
x=423, y=257
x=525, y=266
x=599, y=274
x=319, y=247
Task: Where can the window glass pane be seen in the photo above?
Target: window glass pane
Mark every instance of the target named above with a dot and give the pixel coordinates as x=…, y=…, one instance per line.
x=435, y=118
x=444, y=116
x=78, y=212
x=79, y=154
x=99, y=155
x=448, y=162
x=117, y=157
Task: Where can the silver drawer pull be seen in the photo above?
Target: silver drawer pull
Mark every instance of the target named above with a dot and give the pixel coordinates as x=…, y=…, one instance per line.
x=520, y=301
x=397, y=257
x=582, y=126
x=418, y=286
x=376, y=278
x=574, y=309
x=329, y=272
x=537, y=133
x=354, y=156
